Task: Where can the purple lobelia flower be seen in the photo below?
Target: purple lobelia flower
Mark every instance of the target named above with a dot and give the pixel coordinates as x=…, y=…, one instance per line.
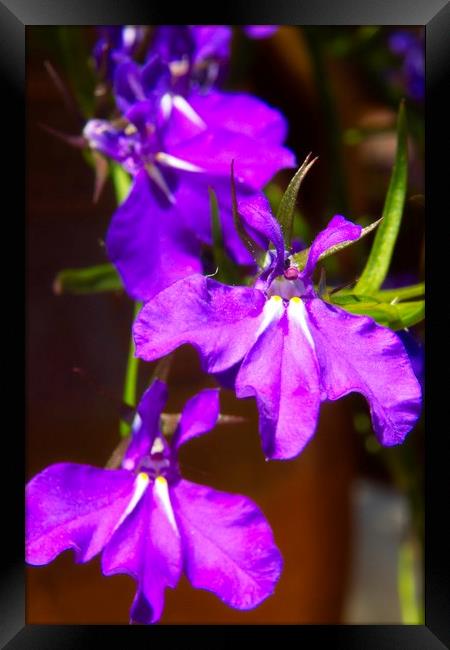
x=115, y=43
x=260, y=31
x=177, y=142
x=286, y=346
x=410, y=47
x=204, y=49
x=150, y=523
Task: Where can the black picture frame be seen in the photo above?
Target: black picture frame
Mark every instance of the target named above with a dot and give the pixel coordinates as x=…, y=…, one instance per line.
x=15, y=15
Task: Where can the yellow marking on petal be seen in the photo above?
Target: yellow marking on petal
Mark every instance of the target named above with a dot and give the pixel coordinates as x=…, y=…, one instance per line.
x=272, y=310
x=142, y=479
x=162, y=493
x=296, y=299
x=140, y=485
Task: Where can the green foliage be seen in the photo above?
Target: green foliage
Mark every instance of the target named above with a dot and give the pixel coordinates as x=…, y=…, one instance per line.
x=91, y=279
x=395, y=315
x=377, y=265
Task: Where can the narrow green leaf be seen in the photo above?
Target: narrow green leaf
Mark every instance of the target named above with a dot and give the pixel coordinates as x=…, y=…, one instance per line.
x=377, y=265
x=92, y=279
x=301, y=258
x=344, y=299
x=402, y=293
x=385, y=295
x=286, y=209
x=396, y=317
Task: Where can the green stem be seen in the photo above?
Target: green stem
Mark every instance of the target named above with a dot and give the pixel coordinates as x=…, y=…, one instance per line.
x=131, y=377
x=412, y=612
x=121, y=182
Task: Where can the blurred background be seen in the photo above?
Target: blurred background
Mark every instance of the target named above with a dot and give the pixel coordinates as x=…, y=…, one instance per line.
x=347, y=515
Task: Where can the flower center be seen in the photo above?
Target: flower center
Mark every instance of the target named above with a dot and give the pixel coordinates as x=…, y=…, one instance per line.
x=287, y=288
x=159, y=462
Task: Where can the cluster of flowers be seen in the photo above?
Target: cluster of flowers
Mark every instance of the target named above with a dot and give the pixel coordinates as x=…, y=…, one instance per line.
x=277, y=340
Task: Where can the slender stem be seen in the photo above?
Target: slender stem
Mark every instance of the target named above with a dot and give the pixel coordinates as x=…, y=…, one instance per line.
x=412, y=612
x=131, y=377
x=121, y=182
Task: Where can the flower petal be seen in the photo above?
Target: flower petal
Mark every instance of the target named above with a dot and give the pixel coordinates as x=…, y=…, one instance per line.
x=73, y=506
x=228, y=545
x=149, y=244
x=147, y=547
x=241, y=113
x=338, y=230
x=128, y=87
x=220, y=321
x=199, y=416
x=257, y=213
x=281, y=371
x=255, y=161
x=146, y=423
x=260, y=31
x=211, y=42
x=357, y=354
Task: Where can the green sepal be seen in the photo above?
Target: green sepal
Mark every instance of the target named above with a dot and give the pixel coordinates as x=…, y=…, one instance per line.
x=286, y=209
x=91, y=279
x=377, y=265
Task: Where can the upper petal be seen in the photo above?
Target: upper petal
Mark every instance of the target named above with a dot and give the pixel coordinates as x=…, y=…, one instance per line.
x=241, y=113
x=257, y=214
x=73, y=506
x=255, y=160
x=338, y=230
x=128, y=87
x=147, y=547
x=146, y=423
x=149, y=244
x=199, y=416
x=357, y=354
x=220, y=321
x=281, y=371
x=228, y=545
